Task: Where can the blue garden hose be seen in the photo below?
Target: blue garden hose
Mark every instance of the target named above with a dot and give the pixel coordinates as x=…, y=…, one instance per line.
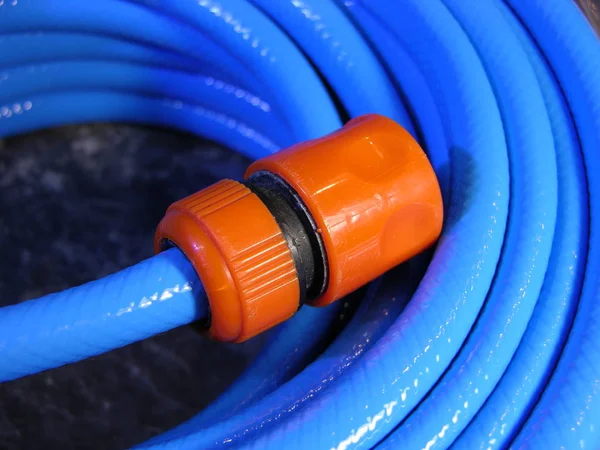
x=493, y=341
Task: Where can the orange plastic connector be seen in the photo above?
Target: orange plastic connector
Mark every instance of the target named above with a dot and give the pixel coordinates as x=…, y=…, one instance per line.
x=373, y=193
x=340, y=211
x=247, y=270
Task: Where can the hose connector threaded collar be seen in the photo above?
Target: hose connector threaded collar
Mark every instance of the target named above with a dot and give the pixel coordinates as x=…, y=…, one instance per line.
x=240, y=255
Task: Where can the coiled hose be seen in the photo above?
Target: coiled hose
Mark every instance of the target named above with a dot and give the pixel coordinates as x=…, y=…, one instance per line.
x=499, y=344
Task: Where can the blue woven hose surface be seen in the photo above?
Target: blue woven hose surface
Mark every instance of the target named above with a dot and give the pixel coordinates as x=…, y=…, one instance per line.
x=489, y=341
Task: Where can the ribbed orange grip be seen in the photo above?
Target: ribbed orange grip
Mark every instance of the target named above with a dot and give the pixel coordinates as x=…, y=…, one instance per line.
x=241, y=256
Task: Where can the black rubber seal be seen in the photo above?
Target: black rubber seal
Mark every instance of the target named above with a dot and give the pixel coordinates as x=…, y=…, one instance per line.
x=298, y=228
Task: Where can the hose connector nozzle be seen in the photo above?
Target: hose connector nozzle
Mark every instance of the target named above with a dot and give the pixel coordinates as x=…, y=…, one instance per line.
x=311, y=224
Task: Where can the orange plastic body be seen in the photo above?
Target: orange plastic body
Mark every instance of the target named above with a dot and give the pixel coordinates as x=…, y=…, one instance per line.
x=368, y=187
x=373, y=193
x=240, y=255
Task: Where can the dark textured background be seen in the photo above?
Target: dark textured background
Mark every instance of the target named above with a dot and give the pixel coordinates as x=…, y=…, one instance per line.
x=79, y=203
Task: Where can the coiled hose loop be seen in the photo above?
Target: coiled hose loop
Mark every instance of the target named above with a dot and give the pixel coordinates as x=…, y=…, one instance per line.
x=492, y=340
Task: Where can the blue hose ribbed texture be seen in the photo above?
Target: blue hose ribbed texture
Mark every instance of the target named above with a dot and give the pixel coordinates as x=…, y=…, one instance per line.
x=492, y=340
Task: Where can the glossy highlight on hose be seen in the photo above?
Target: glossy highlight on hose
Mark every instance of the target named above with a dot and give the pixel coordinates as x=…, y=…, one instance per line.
x=492, y=342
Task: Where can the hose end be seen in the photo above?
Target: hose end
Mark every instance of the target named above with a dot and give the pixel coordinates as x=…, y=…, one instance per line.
x=312, y=223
